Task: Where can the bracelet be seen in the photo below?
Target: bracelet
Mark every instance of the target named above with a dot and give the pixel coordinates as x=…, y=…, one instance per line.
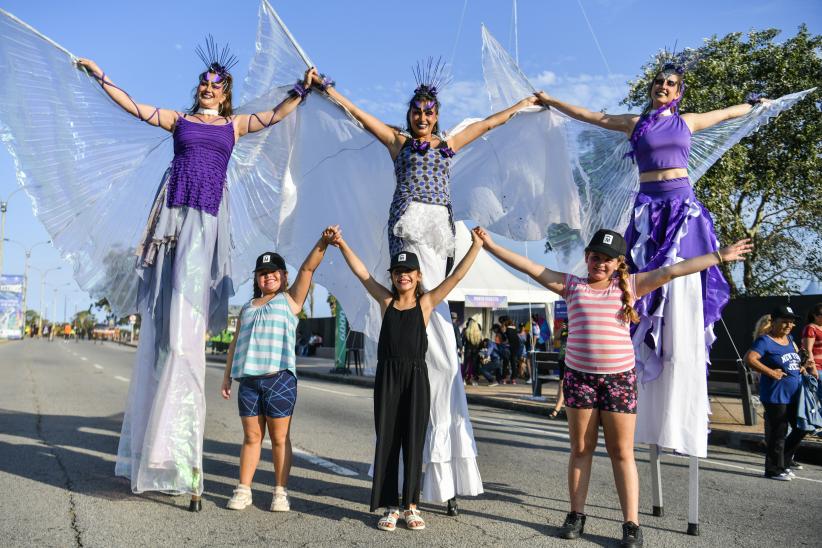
x=299, y=90
x=719, y=256
x=753, y=99
x=326, y=83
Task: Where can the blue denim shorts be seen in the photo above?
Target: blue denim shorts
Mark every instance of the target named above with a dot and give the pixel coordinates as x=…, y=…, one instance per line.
x=273, y=396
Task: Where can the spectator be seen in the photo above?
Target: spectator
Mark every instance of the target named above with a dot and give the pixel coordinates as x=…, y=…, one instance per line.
x=775, y=355
x=491, y=360
x=314, y=342
x=302, y=346
x=524, y=348
x=812, y=337
x=511, y=349
x=471, y=343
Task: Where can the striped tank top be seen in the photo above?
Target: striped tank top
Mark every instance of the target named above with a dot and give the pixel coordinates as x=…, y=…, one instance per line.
x=599, y=341
x=266, y=339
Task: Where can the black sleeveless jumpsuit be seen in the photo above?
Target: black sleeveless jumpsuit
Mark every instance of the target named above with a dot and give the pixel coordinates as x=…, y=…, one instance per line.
x=401, y=406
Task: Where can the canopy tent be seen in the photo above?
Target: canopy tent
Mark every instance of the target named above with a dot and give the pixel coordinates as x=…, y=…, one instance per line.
x=488, y=277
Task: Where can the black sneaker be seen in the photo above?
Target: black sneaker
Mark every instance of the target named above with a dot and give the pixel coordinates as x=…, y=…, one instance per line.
x=573, y=527
x=795, y=465
x=631, y=535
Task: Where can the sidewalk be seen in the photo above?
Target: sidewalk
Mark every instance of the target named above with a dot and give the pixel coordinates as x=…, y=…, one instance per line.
x=727, y=420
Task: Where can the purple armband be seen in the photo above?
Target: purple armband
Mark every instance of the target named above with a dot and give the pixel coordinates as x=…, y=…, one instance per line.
x=754, y=99
x=326, y=82
x=299, y=90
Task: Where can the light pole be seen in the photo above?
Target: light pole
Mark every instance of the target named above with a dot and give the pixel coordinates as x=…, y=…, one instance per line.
x=43, y=290
x=4, y=206
x=26, y=268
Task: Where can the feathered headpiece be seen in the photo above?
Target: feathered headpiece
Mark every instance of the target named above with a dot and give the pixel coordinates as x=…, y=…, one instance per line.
x=431, y=76
x=218, y=61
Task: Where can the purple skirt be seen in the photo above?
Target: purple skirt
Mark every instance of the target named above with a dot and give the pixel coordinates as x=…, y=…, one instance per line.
x=669, y=223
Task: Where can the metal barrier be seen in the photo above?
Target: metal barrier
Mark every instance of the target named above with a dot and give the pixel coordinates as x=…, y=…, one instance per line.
x=542, y=366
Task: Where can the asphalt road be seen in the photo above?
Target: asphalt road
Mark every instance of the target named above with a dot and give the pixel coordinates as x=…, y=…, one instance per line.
x=60, y=411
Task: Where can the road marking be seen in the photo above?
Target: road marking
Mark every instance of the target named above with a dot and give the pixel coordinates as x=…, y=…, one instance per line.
x=519, y=428
x=98, y=366
x=319, y=461
x=304, y=384
x=119, y=378
x=85, y=359
x=747, y=468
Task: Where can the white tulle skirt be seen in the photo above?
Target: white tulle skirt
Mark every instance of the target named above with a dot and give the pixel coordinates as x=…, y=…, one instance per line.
x=184, y=283
x=450, y=455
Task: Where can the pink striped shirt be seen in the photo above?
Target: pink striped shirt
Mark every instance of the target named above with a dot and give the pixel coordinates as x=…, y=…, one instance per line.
x=599, y=340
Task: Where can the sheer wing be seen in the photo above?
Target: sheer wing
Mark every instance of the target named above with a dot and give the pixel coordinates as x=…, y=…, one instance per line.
x=543, y=174
x=708, y=145
x=90, y=168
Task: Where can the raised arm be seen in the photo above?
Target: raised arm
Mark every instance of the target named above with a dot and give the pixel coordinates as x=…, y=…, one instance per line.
x=379, y=292
x=648, y=281
x=554, y=281
x=299, y=289
x=477, y=129
x=615, y=122
x=251, y=123
x=431, y=299
x=160, y=117
x=388, y=136
x=697, y=121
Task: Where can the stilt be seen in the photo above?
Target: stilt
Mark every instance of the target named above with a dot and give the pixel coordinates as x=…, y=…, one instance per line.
x=693, y=496
x=656, y=480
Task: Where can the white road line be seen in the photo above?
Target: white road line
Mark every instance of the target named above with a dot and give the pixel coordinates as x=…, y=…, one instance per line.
x=318, y=461
x=548, y=433
x=304, y=384
x=758, y=471
x=85, y=359
x=97, y=366
x=119, y=378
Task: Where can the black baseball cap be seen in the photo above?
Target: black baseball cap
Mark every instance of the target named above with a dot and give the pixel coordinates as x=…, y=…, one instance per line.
x=785, y=312
x=405, y=259
x=608, y=243
x=270, y=261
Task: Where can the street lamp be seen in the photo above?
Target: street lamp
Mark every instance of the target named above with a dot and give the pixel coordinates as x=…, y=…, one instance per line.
x=4, y=206
x=26, y=268
x=43, y=290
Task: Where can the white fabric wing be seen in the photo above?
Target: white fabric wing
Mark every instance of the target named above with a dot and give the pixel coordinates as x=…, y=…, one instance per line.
x=90, y=168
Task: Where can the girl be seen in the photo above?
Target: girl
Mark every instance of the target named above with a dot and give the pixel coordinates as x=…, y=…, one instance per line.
x=421, y=221
x=261, y=356
x=599, y=381
x=401, y=389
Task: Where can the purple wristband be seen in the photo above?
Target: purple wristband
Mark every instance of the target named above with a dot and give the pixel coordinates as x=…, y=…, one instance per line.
x=326, y=83
x=299, y=90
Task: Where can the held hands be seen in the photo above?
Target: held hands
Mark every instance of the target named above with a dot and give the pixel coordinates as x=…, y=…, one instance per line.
x=530, y=101
x=543, y=98
x=735, y=252
x=480, y=234
x=311, y=77
x=89, y=65
x=225, y=388
x=331, y=234
x=476, y=240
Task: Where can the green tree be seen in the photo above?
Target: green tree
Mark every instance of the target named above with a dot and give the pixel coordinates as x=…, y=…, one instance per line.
x=332, y=304
x=768, y=187
x=32, y=316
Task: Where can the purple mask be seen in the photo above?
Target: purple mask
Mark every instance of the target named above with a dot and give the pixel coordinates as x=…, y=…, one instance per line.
x=425, y=105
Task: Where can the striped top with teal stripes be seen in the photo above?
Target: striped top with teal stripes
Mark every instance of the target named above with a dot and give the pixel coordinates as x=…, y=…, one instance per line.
x=266, y=339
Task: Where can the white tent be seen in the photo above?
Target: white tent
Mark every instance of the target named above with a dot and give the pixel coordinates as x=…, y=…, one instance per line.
x=488, y=277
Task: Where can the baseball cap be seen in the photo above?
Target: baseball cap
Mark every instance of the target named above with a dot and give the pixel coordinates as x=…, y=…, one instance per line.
x=405, y=259
x=270, y=261
x=609, y=243
x=785, y=312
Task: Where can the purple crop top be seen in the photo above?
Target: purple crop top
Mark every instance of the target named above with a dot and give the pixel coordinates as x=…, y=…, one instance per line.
x=198, y=171
x=665, y=145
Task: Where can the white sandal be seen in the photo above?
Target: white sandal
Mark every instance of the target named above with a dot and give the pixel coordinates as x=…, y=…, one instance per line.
x=413, y=520
x=388, y=521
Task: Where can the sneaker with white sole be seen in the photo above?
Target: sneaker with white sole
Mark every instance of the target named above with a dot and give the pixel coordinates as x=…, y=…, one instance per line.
x=280, y=501
x=782, y=476
x=240, y=499
x=790, y=473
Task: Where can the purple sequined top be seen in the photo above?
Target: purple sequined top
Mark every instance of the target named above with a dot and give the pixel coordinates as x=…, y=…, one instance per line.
x=423, y=175
x=198, y=171
x=665, y=144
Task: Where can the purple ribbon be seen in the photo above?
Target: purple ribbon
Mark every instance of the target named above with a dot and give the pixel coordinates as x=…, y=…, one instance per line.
x=419, y=146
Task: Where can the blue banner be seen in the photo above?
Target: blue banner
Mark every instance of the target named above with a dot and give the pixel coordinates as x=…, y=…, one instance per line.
x=11, y=307
x=560, y=310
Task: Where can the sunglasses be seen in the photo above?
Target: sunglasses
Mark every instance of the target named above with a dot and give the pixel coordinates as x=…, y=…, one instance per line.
x=662, y=81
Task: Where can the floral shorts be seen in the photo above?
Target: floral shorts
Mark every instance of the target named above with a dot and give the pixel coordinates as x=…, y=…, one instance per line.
x=614, y=392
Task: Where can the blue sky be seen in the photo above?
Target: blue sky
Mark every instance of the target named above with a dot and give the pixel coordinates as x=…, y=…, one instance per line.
x=369, y=47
